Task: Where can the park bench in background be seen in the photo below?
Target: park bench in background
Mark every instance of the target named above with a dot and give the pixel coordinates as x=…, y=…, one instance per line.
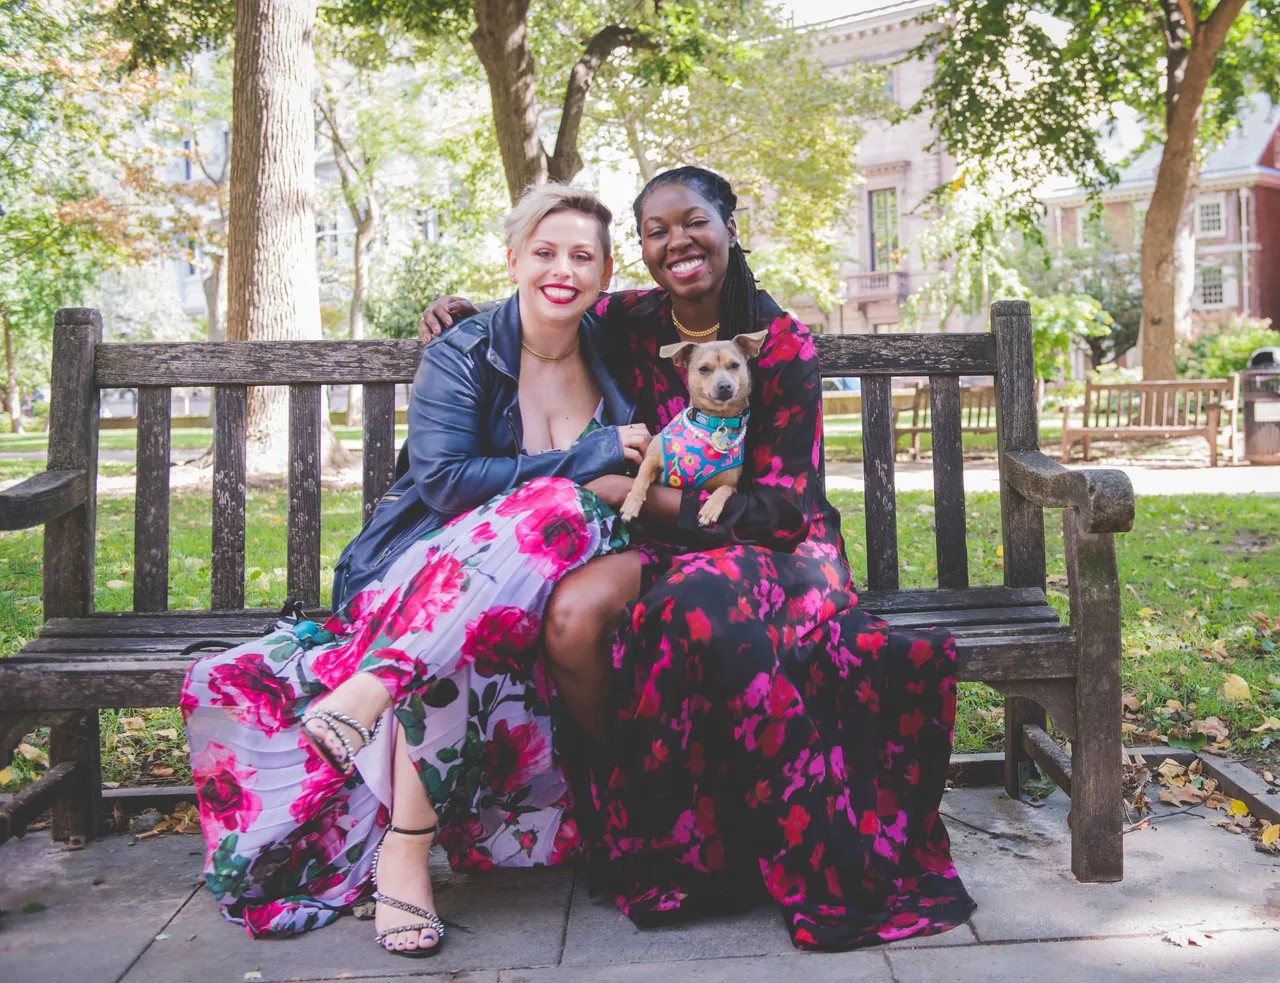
x=977, y=414
x=1176, y=408
x=1007, y=635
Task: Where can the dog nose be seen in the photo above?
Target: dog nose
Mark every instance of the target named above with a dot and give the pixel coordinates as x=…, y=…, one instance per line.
x=724, y=390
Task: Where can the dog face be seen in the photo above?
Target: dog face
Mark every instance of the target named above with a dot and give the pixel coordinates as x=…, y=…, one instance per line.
x=719, y=381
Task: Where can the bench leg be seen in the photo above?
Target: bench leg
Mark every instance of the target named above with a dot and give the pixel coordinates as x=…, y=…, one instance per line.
x=1084, y=441
x=75, y=737
x=1097, y=776
x=1018, y=766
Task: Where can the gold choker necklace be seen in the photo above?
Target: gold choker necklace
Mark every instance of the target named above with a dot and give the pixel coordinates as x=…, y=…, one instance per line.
x=552, y=358
x=693, y=334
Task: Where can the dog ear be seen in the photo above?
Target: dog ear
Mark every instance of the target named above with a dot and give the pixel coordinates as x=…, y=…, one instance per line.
x=678, y=353
x=751, y=343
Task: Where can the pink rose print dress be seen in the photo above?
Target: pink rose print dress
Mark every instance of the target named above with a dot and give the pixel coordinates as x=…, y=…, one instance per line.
x=452, y=631
x=772, y=739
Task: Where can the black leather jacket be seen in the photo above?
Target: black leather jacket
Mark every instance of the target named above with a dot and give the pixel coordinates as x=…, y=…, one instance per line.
x=465, y=439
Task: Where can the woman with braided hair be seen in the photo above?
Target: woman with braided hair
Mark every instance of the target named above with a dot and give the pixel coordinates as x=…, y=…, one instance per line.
x=755, y=728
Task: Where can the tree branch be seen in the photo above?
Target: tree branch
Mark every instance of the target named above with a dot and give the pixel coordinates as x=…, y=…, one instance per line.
x=566, y=161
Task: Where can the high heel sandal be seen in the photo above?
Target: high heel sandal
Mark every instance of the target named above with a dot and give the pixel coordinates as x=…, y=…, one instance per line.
x=430, y=920
x=331, y=719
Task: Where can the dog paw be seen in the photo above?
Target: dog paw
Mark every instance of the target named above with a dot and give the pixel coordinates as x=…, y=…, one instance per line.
x=709, y=514
x=630, y=508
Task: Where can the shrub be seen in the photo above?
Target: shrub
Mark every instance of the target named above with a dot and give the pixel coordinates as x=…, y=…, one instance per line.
x=1217, y=354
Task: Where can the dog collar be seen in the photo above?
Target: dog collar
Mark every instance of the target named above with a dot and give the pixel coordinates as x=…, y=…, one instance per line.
x=710, y=423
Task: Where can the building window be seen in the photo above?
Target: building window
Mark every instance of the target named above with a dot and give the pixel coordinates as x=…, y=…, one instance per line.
x=884, y=229
x=1089, y=227
x=186, y=160
x=1210, y=287
x=1210, y=213
x=886, y=327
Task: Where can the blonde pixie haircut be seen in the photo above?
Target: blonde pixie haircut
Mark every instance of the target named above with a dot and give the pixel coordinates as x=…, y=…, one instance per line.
x=542, y=200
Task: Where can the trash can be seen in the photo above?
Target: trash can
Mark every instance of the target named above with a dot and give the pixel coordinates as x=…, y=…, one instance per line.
x=1260, y=394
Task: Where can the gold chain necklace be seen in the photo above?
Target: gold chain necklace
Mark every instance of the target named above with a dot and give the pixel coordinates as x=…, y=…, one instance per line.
x=552, y=358
x=693, y=334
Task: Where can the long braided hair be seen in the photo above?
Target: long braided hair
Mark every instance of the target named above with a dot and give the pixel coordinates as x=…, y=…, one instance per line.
x=739, y=298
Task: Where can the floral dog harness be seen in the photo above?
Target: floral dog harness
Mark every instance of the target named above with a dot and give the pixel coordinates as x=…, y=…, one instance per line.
x=696, y=446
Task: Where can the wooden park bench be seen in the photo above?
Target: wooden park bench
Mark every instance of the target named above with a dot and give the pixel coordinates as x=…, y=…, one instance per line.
x=1008, y=635
x=977, y=414
x=1174, y=408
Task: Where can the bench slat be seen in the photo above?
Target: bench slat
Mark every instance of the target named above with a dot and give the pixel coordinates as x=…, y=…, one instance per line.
x=133, y=364
x=880, y=504
x=948, y=481
x=230, y=410
x=151, y=518
x=151, y=646
x=304, y=493
x=123, y=681
x=379, y=442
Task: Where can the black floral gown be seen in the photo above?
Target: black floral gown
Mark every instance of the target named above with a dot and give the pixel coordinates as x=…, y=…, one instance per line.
x=770, y=733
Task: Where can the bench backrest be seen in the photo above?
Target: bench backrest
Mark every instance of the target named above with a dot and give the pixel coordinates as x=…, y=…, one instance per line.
x=1173, y=403
x=83, y=366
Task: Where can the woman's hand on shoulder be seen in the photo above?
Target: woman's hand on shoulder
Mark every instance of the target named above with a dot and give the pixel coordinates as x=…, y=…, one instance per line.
x=441, y=313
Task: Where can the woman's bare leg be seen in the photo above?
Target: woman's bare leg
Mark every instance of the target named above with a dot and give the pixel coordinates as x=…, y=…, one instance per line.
x=402, y=864
x=581, y=617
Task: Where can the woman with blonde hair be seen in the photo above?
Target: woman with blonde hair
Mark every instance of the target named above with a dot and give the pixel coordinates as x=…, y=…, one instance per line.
x=418, y=708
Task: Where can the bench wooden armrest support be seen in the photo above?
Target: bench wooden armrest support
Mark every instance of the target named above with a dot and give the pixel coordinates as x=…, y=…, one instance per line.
x=41, y=498
x=1103, y=497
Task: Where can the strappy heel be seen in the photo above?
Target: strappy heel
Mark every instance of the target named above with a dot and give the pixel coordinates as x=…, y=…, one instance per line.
x=331, y=719
x=430, y=920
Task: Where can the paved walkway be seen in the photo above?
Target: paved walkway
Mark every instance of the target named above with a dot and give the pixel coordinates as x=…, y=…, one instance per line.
x=1169, y=479
x=131, y=912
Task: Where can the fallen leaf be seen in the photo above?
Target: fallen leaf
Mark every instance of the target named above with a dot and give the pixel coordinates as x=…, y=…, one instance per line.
x=117, y=584
x=1268, y=723
x=1132, y=703
x=33, y=754
x=1238, y=808
x=162, y=771
x=1234, y=688
x=1193, y=742
x=1184, y=939
x=1171, y=769
x=168, y=733
x=1145, y=613
x=133, y=723
x=1271, y=834
x=1212, y=728
x=1185, y=796
x=1237, y=582
x=162, y=936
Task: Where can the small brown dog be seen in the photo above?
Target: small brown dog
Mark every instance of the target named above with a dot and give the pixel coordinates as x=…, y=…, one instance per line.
x=703, y=446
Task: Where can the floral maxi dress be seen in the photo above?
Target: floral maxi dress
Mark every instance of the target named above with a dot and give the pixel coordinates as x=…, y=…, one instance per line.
x=772, y=737
x=451, y=631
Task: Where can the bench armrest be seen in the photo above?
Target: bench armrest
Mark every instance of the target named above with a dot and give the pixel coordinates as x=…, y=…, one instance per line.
x=1103, y=497
x=40, y=498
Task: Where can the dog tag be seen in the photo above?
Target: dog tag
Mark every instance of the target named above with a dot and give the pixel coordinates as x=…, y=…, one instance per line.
x=720, y=440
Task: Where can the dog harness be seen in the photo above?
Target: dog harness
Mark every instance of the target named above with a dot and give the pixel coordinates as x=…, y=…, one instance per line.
x=696, y=446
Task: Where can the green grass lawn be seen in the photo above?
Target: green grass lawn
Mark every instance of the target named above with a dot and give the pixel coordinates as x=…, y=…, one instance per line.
x=1200, y=590
x=192, y=439
x=843, y=438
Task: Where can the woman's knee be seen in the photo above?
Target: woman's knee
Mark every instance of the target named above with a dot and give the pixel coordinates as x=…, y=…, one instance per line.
x=584, y=606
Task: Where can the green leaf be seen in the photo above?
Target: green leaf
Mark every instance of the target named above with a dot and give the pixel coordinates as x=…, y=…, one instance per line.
x=1192, y=743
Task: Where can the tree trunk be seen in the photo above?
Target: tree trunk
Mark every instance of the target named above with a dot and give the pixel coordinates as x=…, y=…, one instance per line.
x=365, y=226
x=272, y=290
x=501, y=41
x=213, y=299
x=1188, y=68
x=12, y=397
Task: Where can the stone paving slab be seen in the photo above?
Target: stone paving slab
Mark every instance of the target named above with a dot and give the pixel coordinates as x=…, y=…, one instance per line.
x=1033, y=919
x=1242, y=955
x=103, y=906
x=500, y=919
x=1181, y=874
